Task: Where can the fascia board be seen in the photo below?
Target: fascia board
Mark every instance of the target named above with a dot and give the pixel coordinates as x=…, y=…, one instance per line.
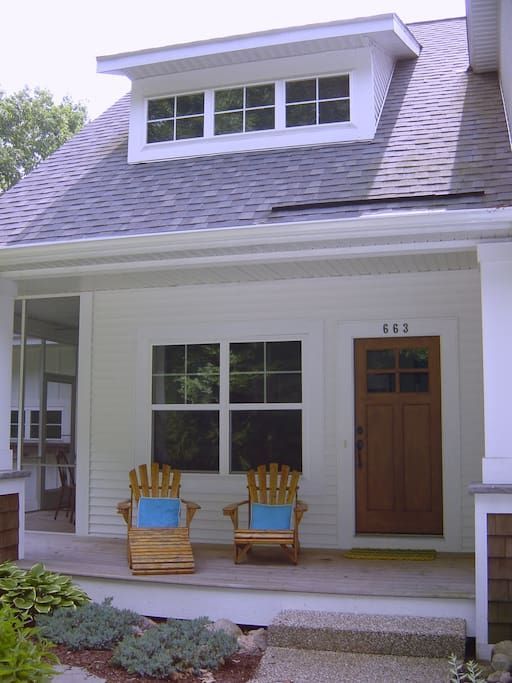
x=397, y=39
x=449, y=224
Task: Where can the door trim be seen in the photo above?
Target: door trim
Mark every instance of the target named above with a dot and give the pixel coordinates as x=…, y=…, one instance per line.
x=447, y=330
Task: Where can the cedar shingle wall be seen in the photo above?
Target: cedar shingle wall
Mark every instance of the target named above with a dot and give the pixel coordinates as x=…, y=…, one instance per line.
x=499, y=553
x=9, y=526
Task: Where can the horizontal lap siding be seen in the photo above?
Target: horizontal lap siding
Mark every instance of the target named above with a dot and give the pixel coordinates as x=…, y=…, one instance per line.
x=119, y=316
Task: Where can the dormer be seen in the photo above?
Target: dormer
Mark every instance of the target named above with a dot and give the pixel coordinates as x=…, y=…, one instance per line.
x=318, y=84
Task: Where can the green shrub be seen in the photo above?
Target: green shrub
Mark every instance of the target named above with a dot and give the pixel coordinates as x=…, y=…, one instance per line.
x=24, y=656
x=174, y=647
x=469, y=672
x=89, y=627
x=37, y=590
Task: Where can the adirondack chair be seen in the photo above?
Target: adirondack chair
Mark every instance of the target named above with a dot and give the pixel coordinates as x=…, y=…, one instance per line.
x=274, y=512
x=154, y=548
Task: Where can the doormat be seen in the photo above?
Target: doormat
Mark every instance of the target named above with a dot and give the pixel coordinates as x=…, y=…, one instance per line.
x=389, y=554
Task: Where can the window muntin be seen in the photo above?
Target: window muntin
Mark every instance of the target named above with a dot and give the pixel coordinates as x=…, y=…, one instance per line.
x=53, y=424
x=315, y=101
x=244, y=109
x=249, y=108
x=179, y=117
x=249, y=391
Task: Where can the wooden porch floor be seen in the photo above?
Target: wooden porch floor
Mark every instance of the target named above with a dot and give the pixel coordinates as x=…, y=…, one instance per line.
x=321, y=577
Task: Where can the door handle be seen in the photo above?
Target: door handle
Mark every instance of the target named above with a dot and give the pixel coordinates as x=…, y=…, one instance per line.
x=359, y=448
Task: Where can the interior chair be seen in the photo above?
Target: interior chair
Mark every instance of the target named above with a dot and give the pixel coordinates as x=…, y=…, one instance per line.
x=158, y=540
x=274, y=512
x=67, y=491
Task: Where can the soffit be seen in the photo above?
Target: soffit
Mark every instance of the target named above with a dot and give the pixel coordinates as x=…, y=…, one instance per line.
x=463, y=259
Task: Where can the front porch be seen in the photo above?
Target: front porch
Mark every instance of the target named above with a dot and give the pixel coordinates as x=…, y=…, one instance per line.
x=254, y=592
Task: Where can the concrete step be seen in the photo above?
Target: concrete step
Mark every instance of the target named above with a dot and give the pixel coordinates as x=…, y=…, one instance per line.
x=370, y=634
x=284, y=665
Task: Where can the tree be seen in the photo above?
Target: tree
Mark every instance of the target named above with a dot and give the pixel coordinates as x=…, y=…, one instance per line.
x=32, y=126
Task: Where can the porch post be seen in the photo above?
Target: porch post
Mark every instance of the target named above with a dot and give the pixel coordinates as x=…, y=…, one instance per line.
x=493, y=497
x=12, y=482
x=7, y=294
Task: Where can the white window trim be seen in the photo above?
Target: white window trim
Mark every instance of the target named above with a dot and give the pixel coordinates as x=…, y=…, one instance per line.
x=354, y=62
x=309, y=333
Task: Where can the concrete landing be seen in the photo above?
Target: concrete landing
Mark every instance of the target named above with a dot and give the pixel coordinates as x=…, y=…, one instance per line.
x=283, y=665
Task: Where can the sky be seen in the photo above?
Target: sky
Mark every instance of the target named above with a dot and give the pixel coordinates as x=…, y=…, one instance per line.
x=53, y=44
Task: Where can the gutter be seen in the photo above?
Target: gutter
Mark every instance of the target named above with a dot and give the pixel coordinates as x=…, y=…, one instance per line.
x=408, y=227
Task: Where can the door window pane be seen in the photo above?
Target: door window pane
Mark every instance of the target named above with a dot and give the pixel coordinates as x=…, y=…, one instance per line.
x=380, y=360
x=382, y=383
x=413, y=358
x=264, y=436
x=187, y=440
x=414, y=382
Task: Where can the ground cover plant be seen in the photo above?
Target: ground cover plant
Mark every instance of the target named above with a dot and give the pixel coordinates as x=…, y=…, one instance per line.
x=92, y=626
x=113, y=643
x=175, y=647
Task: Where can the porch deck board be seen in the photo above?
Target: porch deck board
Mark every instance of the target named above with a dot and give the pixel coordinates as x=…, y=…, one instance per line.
x=449, y=576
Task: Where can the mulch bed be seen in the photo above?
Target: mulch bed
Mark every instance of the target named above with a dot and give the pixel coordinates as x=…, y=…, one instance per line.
x=237, y=669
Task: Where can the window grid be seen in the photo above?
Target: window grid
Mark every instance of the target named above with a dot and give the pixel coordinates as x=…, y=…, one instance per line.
x=280, y=107
x=225, y=408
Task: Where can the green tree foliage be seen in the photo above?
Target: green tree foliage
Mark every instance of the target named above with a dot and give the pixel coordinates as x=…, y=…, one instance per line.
x=32, y=126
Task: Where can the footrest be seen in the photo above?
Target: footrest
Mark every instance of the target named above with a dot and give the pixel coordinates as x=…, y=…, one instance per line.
x=160, y=551
x=263, y=536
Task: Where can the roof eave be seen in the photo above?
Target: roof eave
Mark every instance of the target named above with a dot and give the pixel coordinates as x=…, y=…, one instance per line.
x=386, y=30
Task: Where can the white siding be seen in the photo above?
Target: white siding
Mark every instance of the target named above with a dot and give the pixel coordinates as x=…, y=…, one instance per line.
x=120, y=317
x=383, y=66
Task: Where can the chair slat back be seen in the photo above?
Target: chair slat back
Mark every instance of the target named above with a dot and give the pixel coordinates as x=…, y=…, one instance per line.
x=165, y=482
x=273, y=487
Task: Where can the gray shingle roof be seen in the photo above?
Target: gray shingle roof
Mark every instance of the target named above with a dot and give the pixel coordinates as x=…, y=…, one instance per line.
x=442, y=132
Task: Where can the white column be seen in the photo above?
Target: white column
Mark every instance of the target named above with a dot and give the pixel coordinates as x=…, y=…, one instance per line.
x=496, y=282
x=7, y=294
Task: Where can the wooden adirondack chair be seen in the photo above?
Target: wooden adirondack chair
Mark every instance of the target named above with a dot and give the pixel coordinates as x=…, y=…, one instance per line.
x=155, y=550
x=269, y=488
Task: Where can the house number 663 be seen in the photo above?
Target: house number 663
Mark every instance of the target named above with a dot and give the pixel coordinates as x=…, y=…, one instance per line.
x=395, y=328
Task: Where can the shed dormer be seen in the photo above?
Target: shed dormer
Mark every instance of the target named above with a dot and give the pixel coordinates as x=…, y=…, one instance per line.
x=308, y=85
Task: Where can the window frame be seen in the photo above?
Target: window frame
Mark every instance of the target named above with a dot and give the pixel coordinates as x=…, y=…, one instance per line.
x=310, y=333
x=279, y=107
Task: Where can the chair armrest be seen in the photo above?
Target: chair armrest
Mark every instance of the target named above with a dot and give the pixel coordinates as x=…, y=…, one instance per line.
x=300, y=508
x=232, y=511
x=192, y=508
x=123, y=508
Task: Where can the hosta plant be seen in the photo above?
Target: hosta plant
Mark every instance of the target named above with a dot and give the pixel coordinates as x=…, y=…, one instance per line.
x=37, y=590
x=25, y=657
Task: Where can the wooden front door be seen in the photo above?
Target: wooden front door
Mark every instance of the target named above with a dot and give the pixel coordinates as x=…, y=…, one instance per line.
x=398, y=436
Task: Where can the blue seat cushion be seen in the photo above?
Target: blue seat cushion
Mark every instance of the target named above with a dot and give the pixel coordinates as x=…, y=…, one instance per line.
x=272, y=517
x=163, y=513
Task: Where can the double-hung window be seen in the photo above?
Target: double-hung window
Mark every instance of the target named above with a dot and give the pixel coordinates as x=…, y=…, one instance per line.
x=227, y=406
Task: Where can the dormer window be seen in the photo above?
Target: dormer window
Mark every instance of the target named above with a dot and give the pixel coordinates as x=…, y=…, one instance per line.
x=176, y=118
x=314, y=101
x=239, y=110
x=249, y=108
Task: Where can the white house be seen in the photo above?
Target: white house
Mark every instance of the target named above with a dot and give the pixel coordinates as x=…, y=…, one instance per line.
x=293, y=245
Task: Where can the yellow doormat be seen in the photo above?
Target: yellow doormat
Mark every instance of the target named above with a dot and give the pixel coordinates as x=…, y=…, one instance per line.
x=389, y=554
